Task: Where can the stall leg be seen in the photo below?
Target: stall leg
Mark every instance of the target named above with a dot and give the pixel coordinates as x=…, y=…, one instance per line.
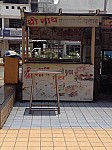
x=31, y=95
x=57, y=94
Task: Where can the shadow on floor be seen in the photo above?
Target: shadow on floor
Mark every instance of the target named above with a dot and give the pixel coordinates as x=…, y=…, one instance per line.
x=40, y=112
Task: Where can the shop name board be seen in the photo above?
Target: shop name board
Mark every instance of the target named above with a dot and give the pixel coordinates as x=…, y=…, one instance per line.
x=62, y=21
x=12, y=33
x=6, y=33
x=16, y=32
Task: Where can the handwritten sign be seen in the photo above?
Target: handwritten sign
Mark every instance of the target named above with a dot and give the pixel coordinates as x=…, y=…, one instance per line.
x=75, y=83
x=107, y=23
x=62, y=21
x=56, y=33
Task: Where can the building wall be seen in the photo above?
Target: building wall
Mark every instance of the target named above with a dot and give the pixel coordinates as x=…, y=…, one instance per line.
x=12, y=13
x=83, y=6
x=10, y=10
x=46, y=7
x=47, y=1
x=10, y=35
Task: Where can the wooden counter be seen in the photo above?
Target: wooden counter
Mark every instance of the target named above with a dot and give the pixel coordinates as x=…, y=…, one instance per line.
x=75, y=84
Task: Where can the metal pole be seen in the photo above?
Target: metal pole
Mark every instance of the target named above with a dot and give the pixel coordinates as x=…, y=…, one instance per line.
x=23, y=44
x=27, y=43
x=23, y=35
x=81, y=46
x=93, y=45
x=105, y=6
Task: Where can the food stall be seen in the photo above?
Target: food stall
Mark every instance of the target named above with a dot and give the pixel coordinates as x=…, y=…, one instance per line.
x=76, y=83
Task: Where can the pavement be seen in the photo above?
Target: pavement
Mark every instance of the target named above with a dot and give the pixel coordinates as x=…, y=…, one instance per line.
x=79, y=126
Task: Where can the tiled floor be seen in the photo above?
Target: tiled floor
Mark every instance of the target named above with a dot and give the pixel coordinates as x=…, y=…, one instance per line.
x=73, y=115
x=80, y=126
x=56, y=139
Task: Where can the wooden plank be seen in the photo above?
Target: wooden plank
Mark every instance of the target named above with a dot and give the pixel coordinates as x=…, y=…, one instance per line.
x=23, y=44
x=93, y=45
x=26, y=43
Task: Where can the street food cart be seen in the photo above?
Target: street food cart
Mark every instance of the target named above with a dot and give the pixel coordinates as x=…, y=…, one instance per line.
x=76, y=82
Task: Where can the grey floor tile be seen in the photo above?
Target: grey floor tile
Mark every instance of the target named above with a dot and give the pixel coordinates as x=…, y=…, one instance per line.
x=63, y=120
x=81, y=121
x=73, y=114
x=74, y=124
x=6, y=125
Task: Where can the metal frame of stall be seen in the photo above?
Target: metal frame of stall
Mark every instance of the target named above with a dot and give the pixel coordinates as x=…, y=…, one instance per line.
x=84, y=20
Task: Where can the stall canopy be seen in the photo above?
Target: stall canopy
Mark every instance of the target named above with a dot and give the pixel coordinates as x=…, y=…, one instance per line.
x=55, y=27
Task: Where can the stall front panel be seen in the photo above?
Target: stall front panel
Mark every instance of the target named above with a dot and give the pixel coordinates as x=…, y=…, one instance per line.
x=75, y=83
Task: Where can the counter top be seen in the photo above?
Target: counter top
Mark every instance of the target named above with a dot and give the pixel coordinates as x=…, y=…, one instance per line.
x=34, y=71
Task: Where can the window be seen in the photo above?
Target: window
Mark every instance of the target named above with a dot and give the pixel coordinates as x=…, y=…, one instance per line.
x=24, y=8
x=16, y=1
x=18, y=7
x=7, y=7
x=12, y=7
x=59, y=52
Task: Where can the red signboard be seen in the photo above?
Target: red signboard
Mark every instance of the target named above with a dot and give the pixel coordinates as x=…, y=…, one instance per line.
x=107, y=23
x=62, y=21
